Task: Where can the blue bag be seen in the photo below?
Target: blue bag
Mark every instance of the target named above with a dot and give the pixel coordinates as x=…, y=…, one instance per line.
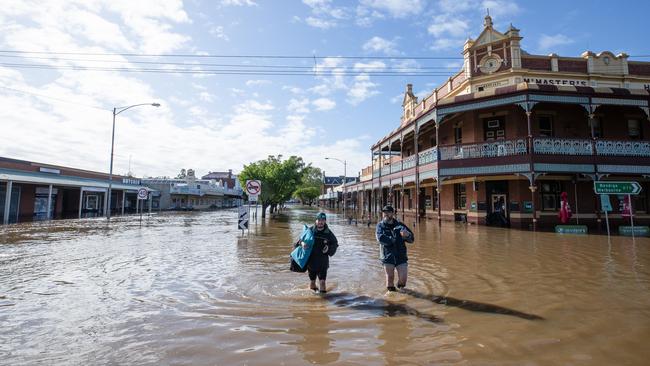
x=300, y=255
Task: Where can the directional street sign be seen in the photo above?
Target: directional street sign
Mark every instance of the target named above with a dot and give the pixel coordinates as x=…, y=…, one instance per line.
x=608, y=187
x=243, y=218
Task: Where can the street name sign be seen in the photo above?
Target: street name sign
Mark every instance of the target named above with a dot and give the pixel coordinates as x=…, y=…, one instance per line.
x=608, y=187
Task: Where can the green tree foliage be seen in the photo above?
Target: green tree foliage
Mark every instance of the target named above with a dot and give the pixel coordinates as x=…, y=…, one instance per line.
x=280, y=179
x=310, y=187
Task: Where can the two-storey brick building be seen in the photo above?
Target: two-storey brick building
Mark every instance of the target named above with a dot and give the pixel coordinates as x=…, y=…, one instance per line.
x=500, y=140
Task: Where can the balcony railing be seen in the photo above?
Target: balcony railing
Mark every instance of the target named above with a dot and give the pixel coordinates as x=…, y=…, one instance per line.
x=396, y=167
x=428, y=156
x=215, y=191
x=558, y=146
x=375, y=173
x=623, y=148
x=385, y=170
x=408, y=162
x=484, y=149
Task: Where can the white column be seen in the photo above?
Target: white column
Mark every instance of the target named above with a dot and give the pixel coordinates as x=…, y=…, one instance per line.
x=81, y=196
x=137, y=205
x=150, y=202
x=123, y=200
x=49, y=202
x=7, y=201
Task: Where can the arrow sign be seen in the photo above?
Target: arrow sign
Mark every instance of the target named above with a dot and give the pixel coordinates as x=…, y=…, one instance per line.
x=608, y=187
x=243, y=218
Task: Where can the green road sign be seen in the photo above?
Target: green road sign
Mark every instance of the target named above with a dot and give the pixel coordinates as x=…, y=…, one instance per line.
x=607, y=187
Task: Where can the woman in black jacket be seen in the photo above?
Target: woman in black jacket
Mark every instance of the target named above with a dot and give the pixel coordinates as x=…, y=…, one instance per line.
x=325, y=245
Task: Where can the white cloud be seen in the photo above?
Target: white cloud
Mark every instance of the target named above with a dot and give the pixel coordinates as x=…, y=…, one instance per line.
x=547, y=42
x=378, y=44
x=324, y=104
x=447, y=25
x=445, y=44
x=372, y=66
x=298, y=106
x=257, y=82
x=396, y=8
x=238, y=3
x=501, y=8
x=362, y=89
x=217, y=32
x=320, y=23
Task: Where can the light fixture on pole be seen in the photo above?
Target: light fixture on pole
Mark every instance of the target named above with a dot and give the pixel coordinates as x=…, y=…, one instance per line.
x=107, y=198
x=344, y=181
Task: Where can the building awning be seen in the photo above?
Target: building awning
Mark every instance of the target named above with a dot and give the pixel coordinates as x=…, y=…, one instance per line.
x=19, y=176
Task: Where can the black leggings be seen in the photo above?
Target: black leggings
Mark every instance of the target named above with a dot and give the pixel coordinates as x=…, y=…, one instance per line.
x=321, y=274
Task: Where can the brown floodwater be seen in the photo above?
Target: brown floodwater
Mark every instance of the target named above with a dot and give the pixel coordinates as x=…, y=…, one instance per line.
x=188, y=289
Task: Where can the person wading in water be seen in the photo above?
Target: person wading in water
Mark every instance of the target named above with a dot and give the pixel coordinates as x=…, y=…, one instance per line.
x=325, y=245
x=392, y=236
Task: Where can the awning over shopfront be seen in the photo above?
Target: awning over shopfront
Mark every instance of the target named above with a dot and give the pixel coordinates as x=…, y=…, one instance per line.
x=18, y=176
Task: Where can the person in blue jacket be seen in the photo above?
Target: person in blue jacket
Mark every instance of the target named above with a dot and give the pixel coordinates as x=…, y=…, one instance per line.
x=392, y=236
x=325, y=245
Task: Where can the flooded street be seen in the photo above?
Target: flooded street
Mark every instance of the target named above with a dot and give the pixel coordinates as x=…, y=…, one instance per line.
x=187, y=288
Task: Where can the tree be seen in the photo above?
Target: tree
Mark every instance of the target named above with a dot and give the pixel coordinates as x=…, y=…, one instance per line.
x=279, y=178
x=181, y=175
x=310, y=187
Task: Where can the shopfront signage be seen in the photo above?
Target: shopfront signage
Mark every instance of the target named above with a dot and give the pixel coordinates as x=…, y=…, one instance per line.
x=557, y=82
x=131, y=181
x=491, y=85
x=49, y=170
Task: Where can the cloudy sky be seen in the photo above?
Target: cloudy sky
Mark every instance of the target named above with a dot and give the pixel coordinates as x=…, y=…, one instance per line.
x=332, y=88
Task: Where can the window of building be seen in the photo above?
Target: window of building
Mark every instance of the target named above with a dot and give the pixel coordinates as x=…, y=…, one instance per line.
x=458, y=133
x=551, y=196
x=634, y=129
x=460, y=196
x=545, y=126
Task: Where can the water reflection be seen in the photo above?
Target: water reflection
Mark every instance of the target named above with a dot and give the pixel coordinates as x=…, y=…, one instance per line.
x=316, y=344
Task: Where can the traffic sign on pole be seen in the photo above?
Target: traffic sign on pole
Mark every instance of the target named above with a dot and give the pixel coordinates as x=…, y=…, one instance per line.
x=243, y=218
x=609, y=187
x=253, y=189
x=143, y=193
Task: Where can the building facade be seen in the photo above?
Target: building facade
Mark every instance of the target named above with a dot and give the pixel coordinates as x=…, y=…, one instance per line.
x=501, y=140
x=32, y=191
x=190, y=193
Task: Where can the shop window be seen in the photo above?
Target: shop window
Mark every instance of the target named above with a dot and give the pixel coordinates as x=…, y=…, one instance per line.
x=551, y=196
x=92, y=202
x=634, y=129
x=545, y=126
x=460, y=196
x=458, y=133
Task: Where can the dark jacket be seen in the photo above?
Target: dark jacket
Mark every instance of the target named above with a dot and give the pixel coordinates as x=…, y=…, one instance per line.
x=317, y=259
x=392, y=247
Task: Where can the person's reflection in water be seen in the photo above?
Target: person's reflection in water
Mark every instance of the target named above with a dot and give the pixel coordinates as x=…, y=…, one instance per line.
x=395, y=333
x=316, y=344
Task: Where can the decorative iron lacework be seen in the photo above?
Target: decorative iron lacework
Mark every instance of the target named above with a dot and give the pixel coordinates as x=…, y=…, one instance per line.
x=430, y=116
x=556, y=146
x=559, y=99
x=571, y=168
x=613, y=101
x=385, y=170
x=635, y=169
x=396, y=167
x=484, y=150
x=622, y=148
x=492, y=169
x=408, y=162
x=428, y=156
x=479, y=105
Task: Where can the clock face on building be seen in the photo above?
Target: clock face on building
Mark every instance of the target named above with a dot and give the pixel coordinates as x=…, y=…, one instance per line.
x=490, y=64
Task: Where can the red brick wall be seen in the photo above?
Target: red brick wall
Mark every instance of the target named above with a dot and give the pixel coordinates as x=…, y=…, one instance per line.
x=536, y=63
x=572, y=66
x=638, y=68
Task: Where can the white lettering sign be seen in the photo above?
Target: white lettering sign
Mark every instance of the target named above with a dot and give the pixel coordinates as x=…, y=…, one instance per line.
x=490, y=85
x=557, y=82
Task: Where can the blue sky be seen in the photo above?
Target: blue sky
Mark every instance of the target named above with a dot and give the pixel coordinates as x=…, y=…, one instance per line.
x=220, y=122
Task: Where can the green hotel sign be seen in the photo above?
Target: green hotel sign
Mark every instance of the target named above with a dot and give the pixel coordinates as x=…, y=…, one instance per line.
x=608, y=187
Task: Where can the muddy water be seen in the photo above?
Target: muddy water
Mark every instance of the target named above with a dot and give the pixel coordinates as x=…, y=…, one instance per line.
x=188, y=289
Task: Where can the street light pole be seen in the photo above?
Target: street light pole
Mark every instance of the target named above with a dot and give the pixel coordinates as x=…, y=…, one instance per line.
x=345, y=173
x=107, y=198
